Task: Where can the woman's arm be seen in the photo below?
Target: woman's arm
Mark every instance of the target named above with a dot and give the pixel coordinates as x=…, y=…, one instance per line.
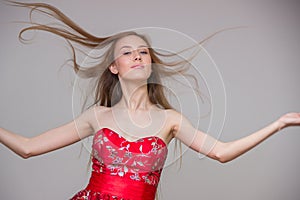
x=224, y=152
x=50, y=140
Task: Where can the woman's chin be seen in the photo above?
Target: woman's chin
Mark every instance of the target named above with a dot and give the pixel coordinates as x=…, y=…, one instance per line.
x=136, y=75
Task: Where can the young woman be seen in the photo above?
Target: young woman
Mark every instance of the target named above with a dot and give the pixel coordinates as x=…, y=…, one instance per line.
x=131, y=121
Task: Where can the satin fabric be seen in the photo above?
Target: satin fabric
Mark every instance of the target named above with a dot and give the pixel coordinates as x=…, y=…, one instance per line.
x=121, y=187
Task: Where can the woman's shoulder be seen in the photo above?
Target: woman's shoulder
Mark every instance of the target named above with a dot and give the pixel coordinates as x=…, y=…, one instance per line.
x=172, y=113
x=176, y=118
x=102, y=109
x=173, y=116
x=94, y=110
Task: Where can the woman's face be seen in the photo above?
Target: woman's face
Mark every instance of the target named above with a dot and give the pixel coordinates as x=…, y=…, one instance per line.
x=132, y=58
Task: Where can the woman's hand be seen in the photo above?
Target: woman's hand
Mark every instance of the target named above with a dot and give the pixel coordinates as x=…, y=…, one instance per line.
x=289, y=119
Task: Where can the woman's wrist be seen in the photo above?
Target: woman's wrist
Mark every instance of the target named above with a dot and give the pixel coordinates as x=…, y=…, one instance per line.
x=279, y=124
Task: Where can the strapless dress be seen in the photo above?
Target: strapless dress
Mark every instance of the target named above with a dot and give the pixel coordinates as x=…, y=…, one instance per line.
x=122, y=169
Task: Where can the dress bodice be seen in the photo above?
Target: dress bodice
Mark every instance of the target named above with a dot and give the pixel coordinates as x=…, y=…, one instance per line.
x=140, y=160
x=122, y=169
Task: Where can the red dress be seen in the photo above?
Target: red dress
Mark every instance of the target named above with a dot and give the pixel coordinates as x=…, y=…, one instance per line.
x=124, y=170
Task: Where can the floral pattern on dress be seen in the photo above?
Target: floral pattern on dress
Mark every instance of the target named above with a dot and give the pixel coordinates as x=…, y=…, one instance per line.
x=91, y=195
x=141, y=160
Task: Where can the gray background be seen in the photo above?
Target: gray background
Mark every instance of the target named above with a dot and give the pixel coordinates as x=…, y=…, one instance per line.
x=259, y=67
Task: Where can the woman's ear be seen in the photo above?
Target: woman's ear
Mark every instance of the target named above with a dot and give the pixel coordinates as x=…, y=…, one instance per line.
x=113, y=69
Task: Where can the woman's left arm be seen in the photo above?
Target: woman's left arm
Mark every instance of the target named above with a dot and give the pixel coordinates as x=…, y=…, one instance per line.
x=225, y=152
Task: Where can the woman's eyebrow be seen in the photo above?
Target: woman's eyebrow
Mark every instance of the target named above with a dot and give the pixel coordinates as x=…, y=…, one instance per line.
x=141, y=46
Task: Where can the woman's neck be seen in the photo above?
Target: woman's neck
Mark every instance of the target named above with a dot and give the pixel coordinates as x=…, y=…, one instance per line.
x=135, y=96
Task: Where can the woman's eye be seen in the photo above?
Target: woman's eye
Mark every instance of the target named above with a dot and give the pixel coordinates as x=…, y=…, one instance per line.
x=127, y=53
x=144, y=52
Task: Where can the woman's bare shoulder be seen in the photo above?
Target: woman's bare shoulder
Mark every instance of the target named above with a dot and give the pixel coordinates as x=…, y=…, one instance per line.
x=173, y=117
x=101, y=109
x=93, y=111
x=173, y=114
x=177, y=118
x=95, y=114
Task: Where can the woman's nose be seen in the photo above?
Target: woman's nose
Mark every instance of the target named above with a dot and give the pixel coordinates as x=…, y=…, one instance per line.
x=136, y=55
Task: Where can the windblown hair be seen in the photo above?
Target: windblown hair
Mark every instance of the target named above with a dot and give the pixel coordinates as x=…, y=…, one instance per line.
x=107, y=91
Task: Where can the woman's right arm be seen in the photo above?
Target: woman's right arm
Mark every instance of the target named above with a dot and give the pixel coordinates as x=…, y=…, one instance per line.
x=50, y=140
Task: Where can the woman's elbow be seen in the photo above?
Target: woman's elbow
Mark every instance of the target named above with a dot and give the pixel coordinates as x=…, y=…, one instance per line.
x=25, y=152
x=222, y=159
x=25, y=155
x=218, y=152
x=218, y=156
x=221, y=154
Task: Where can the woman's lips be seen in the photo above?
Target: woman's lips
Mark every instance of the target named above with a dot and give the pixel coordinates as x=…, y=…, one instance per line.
x=137, y=66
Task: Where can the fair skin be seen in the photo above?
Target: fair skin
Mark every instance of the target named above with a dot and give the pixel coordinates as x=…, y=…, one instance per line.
x=134, y=116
